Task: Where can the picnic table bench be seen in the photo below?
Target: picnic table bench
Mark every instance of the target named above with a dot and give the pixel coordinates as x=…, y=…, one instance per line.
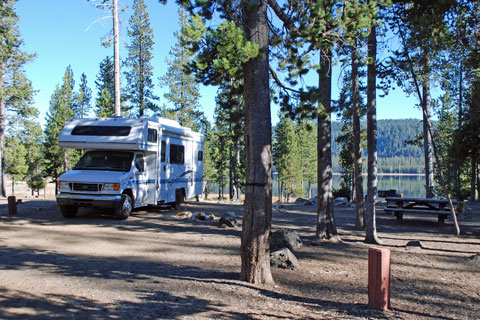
x=399, y=206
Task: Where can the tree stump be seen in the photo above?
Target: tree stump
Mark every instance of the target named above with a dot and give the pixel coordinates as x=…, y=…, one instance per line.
x=12, y=206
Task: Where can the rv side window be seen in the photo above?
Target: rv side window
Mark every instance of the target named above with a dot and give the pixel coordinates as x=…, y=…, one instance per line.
x=152, y=135
x=177, y=153
x=163, y=151
x=139, y=163
x=109, y=131
x=200, y=155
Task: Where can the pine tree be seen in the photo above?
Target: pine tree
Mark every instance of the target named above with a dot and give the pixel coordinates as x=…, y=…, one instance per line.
x=370, y=210
x=15, y=89
x=230, y=110
x=25, y=133
x=466, y=22
x=220, y=144
x=138, y=62
x=32, y=138
x=82, y=99
x=346, y=161
x=183, y=91
x=15, y=160
x=57, y=159
x=209, y=171
x=423, y=33
x=287, y=157
x=232, y=53
x=308, y=149
x=113, y=36
x=315, y=26
x=105, y=103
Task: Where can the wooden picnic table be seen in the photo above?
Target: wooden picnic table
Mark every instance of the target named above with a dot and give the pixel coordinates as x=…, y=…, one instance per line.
x=399, y=206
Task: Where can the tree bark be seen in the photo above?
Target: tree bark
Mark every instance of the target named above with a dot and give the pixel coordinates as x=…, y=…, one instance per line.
x=326, y=228
x=116, y=57
x=429, y=177
x=478, y=177
x=236, y=185
x=257, y=214
x=2, y=126
x=370, y=214
x=357, y=147
x=231, y=163
x=473, y=178
x=457, y=162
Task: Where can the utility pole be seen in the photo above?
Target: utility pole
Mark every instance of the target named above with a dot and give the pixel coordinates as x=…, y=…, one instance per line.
x=116, y=57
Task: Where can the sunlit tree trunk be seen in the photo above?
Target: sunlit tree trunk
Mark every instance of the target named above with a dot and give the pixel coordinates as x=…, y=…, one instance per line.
x=257, y=213
x=116, y=57
x=357, y=148
x=370, y=213
x=326, y=228
x=2, y=126
x=429, y=177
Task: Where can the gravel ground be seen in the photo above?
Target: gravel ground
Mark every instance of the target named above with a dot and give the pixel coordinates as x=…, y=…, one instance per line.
x=157, y=265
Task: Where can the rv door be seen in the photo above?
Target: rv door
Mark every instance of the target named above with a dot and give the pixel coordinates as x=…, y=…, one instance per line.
x=141, y=180
x=163, y=172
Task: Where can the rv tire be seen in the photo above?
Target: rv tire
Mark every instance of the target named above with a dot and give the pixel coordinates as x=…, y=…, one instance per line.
x=69, y=211
x=179, y=197
x=123, y=211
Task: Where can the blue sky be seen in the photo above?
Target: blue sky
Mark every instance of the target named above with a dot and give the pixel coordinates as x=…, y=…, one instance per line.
x=69, y=32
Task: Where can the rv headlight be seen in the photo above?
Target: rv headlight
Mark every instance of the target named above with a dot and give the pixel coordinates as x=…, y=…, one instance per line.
x=111, y=187
x=62, y=185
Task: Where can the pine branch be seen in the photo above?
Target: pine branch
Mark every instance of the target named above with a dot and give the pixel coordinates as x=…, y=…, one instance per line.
x=280, y=83
x=287, y=22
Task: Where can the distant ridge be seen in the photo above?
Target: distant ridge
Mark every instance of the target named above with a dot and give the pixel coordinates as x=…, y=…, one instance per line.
x=395, y=155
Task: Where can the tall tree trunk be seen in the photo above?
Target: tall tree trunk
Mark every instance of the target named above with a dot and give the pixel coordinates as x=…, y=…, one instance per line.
x=357, y=147
x=236, y=186
x=427, y=145
x=478, y=178
x=257, y=214
x=230, y=168
x=326, y=228
x=473, y=178
x=116, y=57
x=457, y=162
x=370, y=214
x=2, y=125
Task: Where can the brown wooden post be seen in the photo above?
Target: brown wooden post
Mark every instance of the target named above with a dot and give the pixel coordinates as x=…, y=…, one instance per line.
x=12, y=206
x=379, y=278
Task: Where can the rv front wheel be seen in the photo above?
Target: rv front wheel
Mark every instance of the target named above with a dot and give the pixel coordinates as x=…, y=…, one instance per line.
x=124, y=210
x=69, y=211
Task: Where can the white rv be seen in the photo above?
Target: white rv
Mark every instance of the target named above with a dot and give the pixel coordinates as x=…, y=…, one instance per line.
x=130, y=163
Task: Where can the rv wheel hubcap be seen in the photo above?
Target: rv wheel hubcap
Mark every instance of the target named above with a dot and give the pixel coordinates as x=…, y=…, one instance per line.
x=127, y=206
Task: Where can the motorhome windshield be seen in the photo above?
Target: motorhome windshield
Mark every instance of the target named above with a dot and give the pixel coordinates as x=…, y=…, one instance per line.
x=106, y=161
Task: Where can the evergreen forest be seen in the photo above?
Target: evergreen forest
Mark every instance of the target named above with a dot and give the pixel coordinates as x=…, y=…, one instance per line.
x=258, y=53
x=396, y=151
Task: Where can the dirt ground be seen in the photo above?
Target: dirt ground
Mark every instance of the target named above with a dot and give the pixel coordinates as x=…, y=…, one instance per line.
x=156, y=265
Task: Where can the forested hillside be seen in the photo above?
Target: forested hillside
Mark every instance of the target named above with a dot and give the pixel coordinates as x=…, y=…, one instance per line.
x=395, y=155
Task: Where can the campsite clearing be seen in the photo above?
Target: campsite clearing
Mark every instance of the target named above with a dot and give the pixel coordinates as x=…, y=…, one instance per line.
x=158, y=265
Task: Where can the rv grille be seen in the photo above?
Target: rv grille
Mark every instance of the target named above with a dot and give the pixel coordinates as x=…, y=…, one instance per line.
x=87, y=187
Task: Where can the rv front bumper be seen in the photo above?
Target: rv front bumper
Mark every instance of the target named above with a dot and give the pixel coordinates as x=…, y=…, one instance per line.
x=89, y=200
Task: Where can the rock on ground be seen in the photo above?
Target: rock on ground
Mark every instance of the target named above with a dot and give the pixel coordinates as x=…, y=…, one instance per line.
x=284, y=259
x=284, y=238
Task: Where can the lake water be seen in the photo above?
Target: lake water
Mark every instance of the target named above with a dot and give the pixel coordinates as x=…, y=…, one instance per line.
x=410, y=186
